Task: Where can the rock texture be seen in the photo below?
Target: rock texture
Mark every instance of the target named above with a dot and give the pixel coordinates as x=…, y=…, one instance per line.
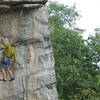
x=34, y=71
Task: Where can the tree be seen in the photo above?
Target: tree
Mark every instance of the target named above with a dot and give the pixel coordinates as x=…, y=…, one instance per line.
x=76, y=70
x=94, y=46
x=60, y=15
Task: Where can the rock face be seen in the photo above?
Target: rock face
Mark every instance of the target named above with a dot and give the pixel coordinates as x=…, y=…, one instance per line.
x=34, y=70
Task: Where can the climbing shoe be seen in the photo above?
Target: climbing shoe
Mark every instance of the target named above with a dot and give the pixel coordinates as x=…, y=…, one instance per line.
x=4, y=80
x=12, y=79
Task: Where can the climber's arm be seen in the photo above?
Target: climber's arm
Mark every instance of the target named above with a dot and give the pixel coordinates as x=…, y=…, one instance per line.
x=0, y=41
x=3, y=43
x=14, y=57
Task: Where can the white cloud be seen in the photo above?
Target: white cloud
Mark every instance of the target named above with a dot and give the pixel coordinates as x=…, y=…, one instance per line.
x=90, y=13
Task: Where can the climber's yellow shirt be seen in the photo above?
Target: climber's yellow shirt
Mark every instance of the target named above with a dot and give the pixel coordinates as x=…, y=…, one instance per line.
x=9, y=51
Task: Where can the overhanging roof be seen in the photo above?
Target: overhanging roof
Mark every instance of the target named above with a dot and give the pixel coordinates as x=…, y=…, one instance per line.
x=17, y=4
x=14, y=2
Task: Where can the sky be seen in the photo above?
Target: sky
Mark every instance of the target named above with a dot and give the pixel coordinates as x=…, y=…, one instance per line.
x=90, y=12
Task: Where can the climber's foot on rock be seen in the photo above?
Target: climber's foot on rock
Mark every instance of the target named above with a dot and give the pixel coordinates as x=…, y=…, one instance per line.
x=12, y=79
x=4, y=80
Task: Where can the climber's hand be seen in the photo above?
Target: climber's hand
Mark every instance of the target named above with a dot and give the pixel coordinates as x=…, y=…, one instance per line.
x=2, y=38
x=13, y=64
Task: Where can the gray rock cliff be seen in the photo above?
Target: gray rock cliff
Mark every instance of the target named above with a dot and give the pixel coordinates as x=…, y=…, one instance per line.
x=34, y=70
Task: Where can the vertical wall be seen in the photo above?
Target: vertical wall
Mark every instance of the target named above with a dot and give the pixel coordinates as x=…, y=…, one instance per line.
x=34, y=71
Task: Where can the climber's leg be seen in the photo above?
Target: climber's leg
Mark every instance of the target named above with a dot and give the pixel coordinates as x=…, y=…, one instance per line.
x=2, y=65
x=10, y=73
x=9, y=70
x=4, y=74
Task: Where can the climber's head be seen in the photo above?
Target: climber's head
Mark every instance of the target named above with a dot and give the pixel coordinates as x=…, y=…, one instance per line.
x=13, y=45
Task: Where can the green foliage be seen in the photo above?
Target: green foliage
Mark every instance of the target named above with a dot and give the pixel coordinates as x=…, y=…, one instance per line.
x=60, y=14
x=94, y=42
x=76, y=60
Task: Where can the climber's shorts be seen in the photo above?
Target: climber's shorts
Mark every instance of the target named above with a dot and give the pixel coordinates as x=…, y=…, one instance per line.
x=5, y=62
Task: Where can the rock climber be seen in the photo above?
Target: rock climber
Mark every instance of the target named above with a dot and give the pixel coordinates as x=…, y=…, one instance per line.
x=8, y=58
